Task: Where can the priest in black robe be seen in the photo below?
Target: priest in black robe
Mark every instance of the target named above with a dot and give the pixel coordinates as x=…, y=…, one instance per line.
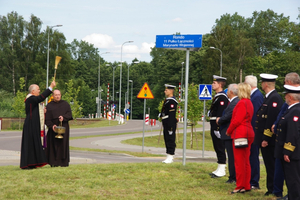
x=32, y=152
x=58, y=114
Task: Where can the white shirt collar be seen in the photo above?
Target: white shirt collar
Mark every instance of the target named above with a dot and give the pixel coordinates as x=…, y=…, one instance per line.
x=252, y=91
x=269, y=93
x=292, y=105
x=233, y=98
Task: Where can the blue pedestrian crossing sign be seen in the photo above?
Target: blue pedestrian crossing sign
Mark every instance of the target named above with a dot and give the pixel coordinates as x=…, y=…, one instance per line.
x=205, y=92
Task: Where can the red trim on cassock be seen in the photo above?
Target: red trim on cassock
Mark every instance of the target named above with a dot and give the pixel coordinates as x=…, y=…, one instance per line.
x=35, y=165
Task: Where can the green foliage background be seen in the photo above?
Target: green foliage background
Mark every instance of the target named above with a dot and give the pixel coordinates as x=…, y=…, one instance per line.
x=266, y=42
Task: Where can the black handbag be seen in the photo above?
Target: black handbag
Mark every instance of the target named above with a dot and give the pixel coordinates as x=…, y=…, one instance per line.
x=241, y=142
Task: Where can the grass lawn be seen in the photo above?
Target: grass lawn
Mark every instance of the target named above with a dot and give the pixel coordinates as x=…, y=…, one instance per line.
x=120, y=181
x=153, y=141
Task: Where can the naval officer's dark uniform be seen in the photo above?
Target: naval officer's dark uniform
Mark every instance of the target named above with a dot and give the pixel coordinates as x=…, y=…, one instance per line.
x=288, y=143
x=219, y=103
x=168, y=116
x=266, y=117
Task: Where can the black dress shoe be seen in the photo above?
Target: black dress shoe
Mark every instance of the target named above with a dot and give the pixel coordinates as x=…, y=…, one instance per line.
x=215, y=176
x=238, y=191
x=229, y=181
x=268, y=193
x=254, y=188
x=283, y=198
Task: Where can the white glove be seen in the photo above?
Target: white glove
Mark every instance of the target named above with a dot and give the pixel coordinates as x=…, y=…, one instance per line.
x=170, y=132
x=159, y=115
x=217, y=133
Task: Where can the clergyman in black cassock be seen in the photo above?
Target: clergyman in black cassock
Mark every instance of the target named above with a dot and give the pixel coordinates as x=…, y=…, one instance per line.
x=57, y=151
x=32, y=152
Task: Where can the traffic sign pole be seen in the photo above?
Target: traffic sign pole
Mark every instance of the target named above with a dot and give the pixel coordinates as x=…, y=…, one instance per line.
x=185, y=104
x=203, y=133
x=144, y=125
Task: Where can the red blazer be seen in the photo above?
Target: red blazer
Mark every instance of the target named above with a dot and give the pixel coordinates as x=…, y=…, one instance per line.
x=240, y=124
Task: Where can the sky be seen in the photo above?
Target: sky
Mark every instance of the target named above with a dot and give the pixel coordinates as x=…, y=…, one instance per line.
x=109, y=24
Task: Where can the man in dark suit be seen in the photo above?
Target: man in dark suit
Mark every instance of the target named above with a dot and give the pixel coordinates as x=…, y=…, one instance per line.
x=266, y=117
x=224, y=122
x=257, y=99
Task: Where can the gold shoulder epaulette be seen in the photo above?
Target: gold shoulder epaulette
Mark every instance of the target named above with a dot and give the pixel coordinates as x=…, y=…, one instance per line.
x=289, y=146
x=268, y=133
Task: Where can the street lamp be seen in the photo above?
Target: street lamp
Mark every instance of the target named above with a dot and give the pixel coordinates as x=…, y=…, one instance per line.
x=121, y=80
x=49, y=27
x=99, y=93
x=220, y=61
x=131, y=81
x=119, y=108
x=181, y=77
x=135, y=62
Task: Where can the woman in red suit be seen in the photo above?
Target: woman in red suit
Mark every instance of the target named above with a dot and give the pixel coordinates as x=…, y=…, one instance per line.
x=240, y=127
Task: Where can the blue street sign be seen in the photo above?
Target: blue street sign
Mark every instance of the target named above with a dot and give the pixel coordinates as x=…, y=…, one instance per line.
x=205, y=92
x=127, y=111
x=192, y=42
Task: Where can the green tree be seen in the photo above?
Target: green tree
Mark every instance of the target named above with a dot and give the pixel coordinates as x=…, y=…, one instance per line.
x=71, y=97
x=18, y=105
x=11, y=39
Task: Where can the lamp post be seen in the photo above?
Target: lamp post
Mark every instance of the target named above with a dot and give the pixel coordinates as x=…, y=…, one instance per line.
x=99, y=93
x=221, y=59
x=119, y=108
x=121, y=80
x=135, y=62
x=49, y=27
x=131, y=81
x=181, y=77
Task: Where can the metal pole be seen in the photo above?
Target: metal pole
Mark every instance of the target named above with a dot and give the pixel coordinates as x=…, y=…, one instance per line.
x=144, y=124
x=114, y=85
x=99, y=101
x=131, y=99
x=221, y=59
x=47, y=64
x=181, y=78
x=203, y=133
x=127, y=88
x=121, y=81
x=221, y=63
x=185, y=105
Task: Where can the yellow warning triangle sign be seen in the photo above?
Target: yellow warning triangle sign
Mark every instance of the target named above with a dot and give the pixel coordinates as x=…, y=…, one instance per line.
x=145, y=93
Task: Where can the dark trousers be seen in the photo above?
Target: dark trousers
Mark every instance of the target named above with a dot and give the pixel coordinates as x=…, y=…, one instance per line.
x=254, y=162
x=170, y=140
x=269, y=160
x=292, y=178
x=278, y=177
x=229, y=150
x=218, y=144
